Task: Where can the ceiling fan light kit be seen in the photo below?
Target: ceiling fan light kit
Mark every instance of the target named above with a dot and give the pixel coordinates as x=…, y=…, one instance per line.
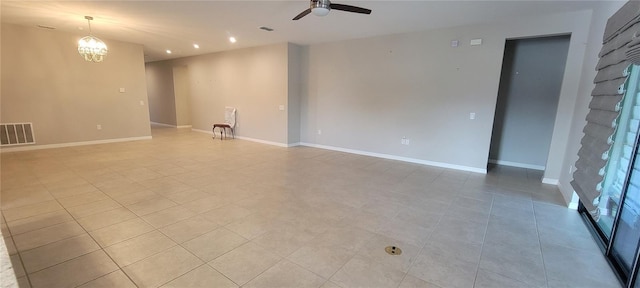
x=320, y=11
x=320, y=7
x=323, y=7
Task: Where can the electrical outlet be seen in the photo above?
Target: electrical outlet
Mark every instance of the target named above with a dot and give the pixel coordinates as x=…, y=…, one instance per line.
x=99, y=127
x=319, y=132
x=472, y=116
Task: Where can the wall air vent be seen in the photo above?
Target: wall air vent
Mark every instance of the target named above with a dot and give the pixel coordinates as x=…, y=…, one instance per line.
x=12, y=134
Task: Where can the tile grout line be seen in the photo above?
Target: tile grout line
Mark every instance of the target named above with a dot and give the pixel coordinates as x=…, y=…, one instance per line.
x=483, y=242
x=155, y=229
x=265, y=270
x=207, y=262
x=18, y=252
x=94, y=240
x=249, y=241
x=427, y=240
x=26, y=275
x=180, y=245
x=185, y=273
x=294, y=263
x=328, y=160
x=544, y=265
x=225, y=276
x=328, y=279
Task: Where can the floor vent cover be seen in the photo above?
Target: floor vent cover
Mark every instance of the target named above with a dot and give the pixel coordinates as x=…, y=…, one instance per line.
x=393, y=250
x=16, y=134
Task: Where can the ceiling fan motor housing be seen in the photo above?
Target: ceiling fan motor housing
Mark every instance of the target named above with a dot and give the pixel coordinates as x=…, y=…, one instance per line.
x=320, y=7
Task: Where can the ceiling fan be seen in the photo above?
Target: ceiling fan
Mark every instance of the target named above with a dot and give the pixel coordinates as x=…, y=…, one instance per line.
x=322, y=8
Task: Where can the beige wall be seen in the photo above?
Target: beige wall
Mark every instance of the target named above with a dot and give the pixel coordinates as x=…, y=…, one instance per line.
x=363, y=94
x=46, y=82
x=162, y=104
x=367, y=94
x=254, y=80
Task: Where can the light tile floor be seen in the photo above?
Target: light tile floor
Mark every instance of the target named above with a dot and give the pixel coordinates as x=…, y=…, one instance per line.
x=183, y=210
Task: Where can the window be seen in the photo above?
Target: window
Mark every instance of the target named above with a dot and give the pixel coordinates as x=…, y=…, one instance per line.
x=620, y=154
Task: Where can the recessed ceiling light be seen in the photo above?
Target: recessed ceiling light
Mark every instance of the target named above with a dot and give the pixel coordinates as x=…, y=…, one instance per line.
x=196, y=46
x=168, y=51
x=232, y=39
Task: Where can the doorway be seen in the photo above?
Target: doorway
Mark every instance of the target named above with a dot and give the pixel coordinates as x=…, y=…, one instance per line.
x=528, y=94
x=181, y=91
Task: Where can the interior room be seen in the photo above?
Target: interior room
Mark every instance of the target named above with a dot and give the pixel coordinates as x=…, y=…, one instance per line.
x=383, y=144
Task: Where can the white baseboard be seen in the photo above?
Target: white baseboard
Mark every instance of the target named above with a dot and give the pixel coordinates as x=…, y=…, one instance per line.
x=163, y=125
x=365, y=153
x=72, y=144
x=263, y=141
x=399, y=158
x=170, y=125
x=516, y=164
x=572, y=201
x=359, y=152
x=550, y=181
x=253, y=139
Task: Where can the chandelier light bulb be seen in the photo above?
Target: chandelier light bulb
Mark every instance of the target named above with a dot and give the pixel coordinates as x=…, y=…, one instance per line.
x=90, y=47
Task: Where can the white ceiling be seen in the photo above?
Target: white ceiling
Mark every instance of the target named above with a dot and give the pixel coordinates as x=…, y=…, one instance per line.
x=177, y=25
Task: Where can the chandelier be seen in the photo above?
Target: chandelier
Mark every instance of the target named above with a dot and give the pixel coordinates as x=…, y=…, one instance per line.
x=92, y=48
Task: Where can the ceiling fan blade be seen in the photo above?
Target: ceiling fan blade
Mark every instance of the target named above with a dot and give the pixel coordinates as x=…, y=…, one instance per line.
x=302, y=14
x=350, y=8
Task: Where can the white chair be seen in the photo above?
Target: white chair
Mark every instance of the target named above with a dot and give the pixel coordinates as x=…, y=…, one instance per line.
x=229, y=123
